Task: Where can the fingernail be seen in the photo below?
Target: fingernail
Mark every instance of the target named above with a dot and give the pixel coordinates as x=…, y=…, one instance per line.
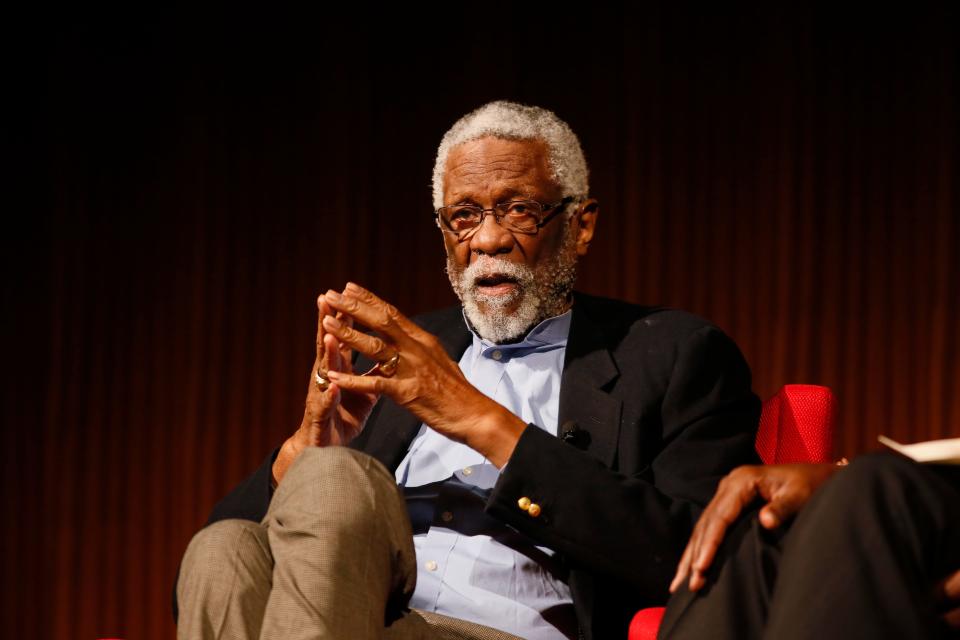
x=696, y=581
x=768, y=519
x=333, y=295
x=332, y=322
x=333, y=375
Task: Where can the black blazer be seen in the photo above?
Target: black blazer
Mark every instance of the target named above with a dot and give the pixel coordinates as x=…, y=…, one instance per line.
x=662, y=409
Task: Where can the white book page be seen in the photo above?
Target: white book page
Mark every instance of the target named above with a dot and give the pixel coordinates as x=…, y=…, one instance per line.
x=932, y=451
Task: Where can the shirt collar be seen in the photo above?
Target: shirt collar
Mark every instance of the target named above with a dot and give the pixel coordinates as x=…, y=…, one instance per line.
x=549, y=334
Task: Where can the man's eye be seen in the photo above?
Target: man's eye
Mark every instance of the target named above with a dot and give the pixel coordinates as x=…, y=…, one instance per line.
x=519, y=208
x=463, y=213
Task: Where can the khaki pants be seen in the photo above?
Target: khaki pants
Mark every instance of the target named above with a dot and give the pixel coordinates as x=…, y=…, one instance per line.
x=333, y=555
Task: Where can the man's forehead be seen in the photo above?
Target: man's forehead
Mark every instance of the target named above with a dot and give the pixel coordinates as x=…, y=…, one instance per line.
x=497, y=149
x=517, y=166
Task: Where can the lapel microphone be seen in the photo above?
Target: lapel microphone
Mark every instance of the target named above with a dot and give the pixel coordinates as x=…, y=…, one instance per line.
x=574, y=435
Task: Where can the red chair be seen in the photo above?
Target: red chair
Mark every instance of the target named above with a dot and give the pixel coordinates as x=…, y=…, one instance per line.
x=796, y=425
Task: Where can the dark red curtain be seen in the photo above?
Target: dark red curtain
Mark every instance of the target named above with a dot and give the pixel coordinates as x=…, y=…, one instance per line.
x=192, y=183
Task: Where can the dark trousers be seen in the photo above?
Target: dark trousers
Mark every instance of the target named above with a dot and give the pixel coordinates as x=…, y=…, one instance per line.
x=859, y=561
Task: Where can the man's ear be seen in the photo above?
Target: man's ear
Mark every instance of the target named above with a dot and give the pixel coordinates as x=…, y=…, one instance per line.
x=586, y=221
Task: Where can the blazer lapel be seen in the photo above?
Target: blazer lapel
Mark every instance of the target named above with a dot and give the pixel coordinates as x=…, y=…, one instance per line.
x=395, y=427
x=588, y=368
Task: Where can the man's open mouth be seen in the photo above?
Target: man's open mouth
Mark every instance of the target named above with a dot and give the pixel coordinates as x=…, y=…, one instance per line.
x=496, y=284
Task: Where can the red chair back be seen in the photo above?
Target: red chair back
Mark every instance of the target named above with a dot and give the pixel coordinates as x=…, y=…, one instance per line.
x=796, y=425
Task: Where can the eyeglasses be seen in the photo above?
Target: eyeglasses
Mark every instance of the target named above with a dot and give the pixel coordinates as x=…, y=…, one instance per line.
x=522, y=216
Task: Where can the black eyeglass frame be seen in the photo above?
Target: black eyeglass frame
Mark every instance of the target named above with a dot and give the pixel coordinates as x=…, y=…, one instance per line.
x=498, y=214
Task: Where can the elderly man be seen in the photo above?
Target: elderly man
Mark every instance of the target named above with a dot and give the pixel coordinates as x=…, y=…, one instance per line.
x=552, y=450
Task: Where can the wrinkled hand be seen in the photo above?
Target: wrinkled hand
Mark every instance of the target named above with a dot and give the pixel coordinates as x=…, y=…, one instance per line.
x=948, y=595
x=426, y=382
x=332, y=417
x=786, y=488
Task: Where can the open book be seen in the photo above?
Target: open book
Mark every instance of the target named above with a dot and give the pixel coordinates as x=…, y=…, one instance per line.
x=930, y=452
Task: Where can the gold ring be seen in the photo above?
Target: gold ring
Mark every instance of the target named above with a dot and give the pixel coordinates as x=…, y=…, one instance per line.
x=322, y=383
x=387, y=368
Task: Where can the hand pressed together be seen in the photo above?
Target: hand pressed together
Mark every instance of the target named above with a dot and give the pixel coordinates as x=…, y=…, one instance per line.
x=333, y=416
x=426, y=382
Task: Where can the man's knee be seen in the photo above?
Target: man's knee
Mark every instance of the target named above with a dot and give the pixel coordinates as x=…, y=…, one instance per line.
x=225, y=580
x=875, y=473
x=342, y=487
x=876, y=487
x=342, y=511
x=215, y=545
x=336, y=464
x=223, y=556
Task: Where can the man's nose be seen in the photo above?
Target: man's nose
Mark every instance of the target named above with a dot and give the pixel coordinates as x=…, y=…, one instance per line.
x=491, y=238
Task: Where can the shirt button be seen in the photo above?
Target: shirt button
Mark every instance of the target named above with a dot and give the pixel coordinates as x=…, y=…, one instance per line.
x=446, y=516
x=524, y=503
x=467, y=471
x=533, y=510
x=431, y=565
x=497, y=355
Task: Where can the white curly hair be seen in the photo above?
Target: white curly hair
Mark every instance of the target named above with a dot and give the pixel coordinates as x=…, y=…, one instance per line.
x=514, y=121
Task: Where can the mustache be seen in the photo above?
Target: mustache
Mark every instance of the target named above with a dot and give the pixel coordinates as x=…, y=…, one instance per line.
x=487, y=267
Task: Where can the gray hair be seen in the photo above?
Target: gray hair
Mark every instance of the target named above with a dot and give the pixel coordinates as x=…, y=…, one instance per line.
x=513, y=121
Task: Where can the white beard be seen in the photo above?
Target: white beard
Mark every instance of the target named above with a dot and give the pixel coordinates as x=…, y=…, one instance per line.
x=541, y=292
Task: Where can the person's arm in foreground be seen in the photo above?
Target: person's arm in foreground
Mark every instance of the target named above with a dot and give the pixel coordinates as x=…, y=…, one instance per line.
x=785, y=489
